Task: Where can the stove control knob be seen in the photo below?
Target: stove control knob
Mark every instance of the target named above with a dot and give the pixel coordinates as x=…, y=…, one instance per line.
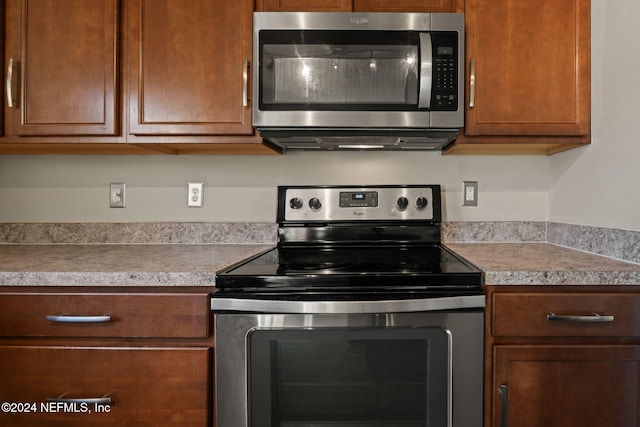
x=295, y=203
x=402, y=203
x=315, y=204
x=422, y=203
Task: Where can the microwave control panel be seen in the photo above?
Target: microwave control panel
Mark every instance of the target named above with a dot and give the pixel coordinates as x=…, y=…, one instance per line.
x=444, y=89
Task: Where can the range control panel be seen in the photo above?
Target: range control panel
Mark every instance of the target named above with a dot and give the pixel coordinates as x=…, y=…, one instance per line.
x=342, y=203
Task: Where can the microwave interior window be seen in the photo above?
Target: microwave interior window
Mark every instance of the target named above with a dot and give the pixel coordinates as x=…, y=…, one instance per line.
x=315, y=69
x=349, y=378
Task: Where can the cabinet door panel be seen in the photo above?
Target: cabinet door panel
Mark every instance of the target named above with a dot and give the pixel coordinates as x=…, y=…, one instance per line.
x=187, y=67
x=147, y=386
x=402, y=5
x=567, y=386
x=304, y=5
x=531, y=64
x=64, y=53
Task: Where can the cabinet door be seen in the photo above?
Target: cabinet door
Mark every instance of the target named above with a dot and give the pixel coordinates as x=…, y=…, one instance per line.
x=304, y=5
x=530, y=67
x=130, y=386
x=61, y=67
x=566, y=386
x=188, y=67
x=402, y=5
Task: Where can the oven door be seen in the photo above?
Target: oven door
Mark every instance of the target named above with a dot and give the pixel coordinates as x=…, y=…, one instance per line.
x=350, y=369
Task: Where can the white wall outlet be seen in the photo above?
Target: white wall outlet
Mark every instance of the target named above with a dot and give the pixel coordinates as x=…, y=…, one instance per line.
x=469, y=193
x=195, y=194
x=116, y=195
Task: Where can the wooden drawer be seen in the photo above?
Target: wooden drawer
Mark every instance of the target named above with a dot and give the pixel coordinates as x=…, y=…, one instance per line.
x=146, y=386
x=529, y=315
x=165, y=315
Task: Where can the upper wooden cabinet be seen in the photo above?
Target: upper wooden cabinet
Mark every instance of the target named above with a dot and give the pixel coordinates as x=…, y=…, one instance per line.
x=402, y=5
x=528, y=76
x=61, y=67
x=141, y=76
x=355, y=5
x=304, y=5
x=189, y=67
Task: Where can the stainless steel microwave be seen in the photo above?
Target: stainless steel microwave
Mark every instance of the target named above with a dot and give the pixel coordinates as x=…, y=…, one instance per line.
x=330, y=81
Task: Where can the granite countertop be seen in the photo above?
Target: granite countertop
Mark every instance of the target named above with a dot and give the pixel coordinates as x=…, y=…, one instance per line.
x=197, y=264
x=119, y=264
x=545, y=264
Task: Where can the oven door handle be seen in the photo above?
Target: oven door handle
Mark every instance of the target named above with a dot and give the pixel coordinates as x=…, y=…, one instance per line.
x=346, y=307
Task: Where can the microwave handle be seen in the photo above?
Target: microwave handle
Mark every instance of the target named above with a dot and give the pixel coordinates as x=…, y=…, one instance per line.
x=426, y=70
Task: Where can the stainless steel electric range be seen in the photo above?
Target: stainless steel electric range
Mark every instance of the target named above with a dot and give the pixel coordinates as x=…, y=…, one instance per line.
x=359, y=317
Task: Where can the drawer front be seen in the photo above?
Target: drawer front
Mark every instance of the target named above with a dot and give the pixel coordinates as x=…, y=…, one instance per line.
x=566, y=315
x=105, y=386
x=105, y=315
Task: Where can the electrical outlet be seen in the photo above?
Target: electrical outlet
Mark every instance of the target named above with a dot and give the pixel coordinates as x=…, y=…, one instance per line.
x=469, y=193
x=116, y=195
x=195, y=194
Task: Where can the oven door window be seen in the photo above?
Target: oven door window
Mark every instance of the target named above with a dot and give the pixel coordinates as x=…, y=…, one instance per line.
x=339, y=70
x=349, y=377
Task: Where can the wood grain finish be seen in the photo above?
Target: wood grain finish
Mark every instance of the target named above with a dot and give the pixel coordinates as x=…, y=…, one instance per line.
x=186, y=64
x=65, y=81
x=562, y=374
x=147, y=386
x=402, y=5
x=568, y=386
x=531, y=71
x=532, y=77
x=525, y=315
x=304, y=5
x=354, y=5
x=153, y=359
x=132, y=315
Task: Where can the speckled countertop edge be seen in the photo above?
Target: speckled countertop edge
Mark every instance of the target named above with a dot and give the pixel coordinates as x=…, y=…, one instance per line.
x=190, y=254
x=545, y=264
x=119, y=265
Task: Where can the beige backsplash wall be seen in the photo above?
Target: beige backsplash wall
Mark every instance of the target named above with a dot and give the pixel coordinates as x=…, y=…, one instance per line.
x=238, y=188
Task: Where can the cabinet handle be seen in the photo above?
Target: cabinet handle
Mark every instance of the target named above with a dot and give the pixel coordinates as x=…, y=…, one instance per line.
x=472, y=83
x=245, y=83
x=88, y=400
x=78, y=319
x=503, y=405
x=11, y=103
x=592, y=318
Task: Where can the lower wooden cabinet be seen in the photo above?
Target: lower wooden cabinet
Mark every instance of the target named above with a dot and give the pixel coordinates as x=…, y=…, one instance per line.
x=80, y=386
x=111, y=357
x=562, y=356
x=566, y=386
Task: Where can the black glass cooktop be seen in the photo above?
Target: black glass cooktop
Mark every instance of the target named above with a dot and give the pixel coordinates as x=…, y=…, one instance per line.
x=353, y=268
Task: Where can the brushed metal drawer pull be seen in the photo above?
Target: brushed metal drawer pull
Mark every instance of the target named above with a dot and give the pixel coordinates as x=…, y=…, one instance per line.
x=472, y=83
x=593, y=318
x=504, y=405
x=11, y=103
x=245, y=83
x=78, y=319
x=87, y=400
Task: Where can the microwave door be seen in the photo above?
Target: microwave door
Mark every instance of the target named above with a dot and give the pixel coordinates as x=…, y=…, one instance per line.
x=426, y=71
